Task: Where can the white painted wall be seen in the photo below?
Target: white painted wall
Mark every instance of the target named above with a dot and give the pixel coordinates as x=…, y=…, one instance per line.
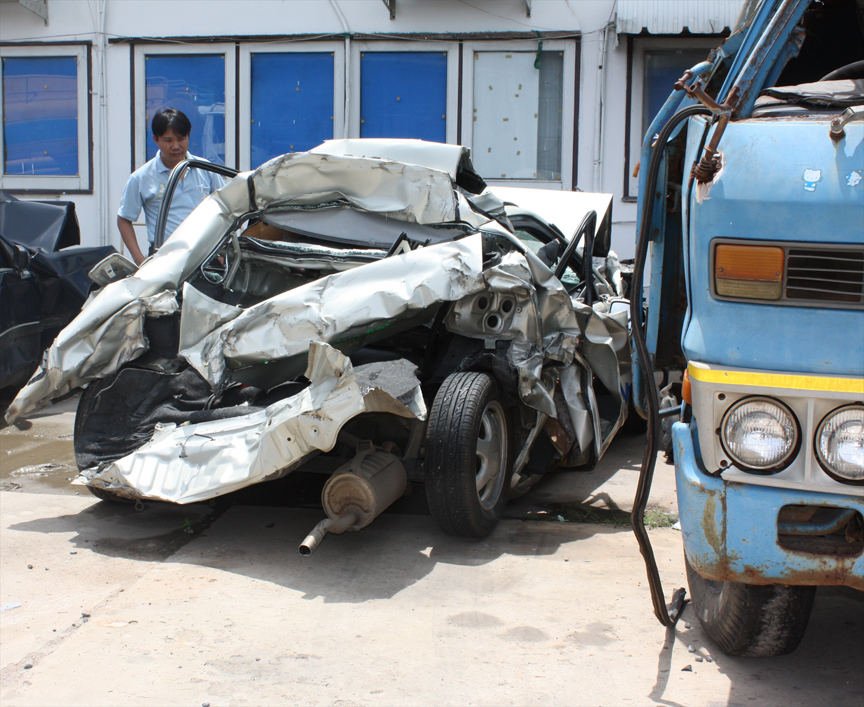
x=71, y=20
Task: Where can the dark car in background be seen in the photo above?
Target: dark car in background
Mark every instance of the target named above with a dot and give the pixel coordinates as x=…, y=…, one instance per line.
x=43, y=281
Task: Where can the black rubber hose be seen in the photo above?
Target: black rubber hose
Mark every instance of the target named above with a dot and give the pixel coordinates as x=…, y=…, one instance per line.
x=668, y=616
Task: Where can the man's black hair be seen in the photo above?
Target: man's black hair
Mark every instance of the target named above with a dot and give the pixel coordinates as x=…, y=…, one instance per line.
x=173, y=119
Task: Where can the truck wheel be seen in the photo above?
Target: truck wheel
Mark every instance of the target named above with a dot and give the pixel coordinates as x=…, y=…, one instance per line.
x=467, y=456
x=748, y=619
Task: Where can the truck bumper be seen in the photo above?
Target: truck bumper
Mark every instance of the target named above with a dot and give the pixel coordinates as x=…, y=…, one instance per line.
x=730, y=530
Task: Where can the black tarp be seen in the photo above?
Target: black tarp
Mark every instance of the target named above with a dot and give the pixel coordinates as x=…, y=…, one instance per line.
x=48, y=226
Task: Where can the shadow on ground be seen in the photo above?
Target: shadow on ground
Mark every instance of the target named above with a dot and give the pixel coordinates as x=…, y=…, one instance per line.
x=260, y=528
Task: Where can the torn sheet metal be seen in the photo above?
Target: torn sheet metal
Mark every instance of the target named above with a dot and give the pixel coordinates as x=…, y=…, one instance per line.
x=95, y=343
x=190, y=463
x=605, y=347
x=529, y=307
x=580, y=416
x=202, y=314
x=107, y=346
x=333, y=308
x=256, y=313
x=406, y=192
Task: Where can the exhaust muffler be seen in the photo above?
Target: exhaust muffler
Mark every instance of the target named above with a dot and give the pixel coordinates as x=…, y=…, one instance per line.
x=357, y=493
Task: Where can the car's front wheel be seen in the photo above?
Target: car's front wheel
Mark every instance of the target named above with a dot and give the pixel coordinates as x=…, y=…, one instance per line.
x=468, y=455
x=748, y=619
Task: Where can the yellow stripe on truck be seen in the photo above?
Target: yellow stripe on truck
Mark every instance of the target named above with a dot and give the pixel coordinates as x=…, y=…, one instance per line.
x=777, y=380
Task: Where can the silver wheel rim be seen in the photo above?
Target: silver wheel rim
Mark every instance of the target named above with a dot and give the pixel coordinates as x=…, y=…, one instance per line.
x=491, y=455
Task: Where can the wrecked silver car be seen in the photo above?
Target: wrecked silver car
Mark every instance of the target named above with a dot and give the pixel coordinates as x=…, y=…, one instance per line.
x=371, y=300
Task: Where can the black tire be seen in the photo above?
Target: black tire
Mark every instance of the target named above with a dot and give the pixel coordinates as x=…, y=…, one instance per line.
x=468, y=456
x=748, y=619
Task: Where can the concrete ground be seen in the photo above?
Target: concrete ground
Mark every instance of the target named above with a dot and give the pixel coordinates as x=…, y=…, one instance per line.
x=211, y=604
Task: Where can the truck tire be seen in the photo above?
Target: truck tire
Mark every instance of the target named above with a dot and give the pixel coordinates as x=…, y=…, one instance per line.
x=751, y=620
x=468, y=456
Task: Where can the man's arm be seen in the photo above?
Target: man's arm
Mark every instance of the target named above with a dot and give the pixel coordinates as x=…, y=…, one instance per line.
x=127, y=233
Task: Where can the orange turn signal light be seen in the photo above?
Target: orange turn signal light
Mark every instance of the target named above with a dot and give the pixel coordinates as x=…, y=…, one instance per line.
x=749, y=271
x=686, y=392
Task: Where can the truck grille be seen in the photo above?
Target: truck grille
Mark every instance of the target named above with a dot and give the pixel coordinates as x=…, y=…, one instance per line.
x=824, y=275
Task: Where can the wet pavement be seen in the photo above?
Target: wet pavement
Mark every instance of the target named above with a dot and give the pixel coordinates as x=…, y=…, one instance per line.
x=37, y=456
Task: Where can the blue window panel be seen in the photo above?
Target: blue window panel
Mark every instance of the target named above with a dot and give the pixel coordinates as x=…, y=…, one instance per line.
x=404, y=95
x=40, y=109
x=195, y=85
x=292, y=103
x=663, y=68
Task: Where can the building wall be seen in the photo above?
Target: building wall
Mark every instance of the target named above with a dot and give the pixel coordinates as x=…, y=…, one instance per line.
x=576, y=29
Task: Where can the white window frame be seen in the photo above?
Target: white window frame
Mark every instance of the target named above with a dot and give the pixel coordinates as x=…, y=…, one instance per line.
x=142, y=133
x=450, y=48
x=336, y=49
x=64, y=183
x=568, y=114
x=637, y=85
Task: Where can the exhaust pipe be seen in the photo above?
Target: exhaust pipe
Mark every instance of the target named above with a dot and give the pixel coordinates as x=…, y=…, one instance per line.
x=328, y=525
x=356, y=494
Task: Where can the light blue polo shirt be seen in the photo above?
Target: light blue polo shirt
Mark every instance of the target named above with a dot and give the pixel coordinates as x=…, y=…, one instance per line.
x=147, y=185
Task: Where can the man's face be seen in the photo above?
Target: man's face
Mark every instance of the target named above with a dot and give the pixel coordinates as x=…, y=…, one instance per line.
x=172, y=146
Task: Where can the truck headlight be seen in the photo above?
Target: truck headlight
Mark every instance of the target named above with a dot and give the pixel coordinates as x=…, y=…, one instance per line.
x=840, y=443
x=759, y=434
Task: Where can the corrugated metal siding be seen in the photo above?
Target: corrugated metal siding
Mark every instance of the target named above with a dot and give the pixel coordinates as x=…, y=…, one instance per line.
x=675, y=16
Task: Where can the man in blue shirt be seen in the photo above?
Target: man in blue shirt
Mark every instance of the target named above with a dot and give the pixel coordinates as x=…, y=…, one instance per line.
x=147, y=184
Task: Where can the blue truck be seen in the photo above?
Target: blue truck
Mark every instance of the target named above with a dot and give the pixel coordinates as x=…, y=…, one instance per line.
x=751, y=213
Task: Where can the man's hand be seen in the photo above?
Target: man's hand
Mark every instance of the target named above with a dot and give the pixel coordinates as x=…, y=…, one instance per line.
x=127, y=233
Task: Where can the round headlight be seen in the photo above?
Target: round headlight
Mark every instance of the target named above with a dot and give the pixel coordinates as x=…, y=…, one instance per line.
x=759, y=434
x=840, y=443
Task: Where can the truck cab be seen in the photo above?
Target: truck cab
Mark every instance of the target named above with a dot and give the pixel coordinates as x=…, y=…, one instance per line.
x=752, y=210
